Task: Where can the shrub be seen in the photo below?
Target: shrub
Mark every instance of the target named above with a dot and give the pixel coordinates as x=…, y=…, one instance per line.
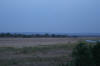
x=96, y=53
x=82, y=55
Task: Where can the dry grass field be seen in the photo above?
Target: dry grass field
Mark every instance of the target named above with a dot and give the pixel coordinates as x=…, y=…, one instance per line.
x=37, y=51
x=26, y=42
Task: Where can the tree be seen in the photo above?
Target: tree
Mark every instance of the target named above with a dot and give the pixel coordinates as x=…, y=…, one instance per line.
x=53, y=35
x=46, y=35
x=2, y=35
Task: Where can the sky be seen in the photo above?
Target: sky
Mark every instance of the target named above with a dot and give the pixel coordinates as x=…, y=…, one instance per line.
x=56, y=16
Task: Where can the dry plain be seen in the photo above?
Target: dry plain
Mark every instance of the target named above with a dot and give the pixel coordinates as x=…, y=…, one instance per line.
x=38, y=51
x=26, y=42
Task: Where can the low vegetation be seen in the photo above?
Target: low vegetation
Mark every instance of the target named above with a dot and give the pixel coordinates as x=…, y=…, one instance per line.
x=82, y=54
x=85, y=54
x=44, y=55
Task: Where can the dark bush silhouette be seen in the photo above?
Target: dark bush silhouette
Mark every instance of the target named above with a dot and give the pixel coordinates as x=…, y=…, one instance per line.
x=85, y=54
x=82, y=55
x=96, y=54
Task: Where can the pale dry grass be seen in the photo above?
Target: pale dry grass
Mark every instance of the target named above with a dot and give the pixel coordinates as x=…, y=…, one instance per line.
x=45, y=55
x=23, y=42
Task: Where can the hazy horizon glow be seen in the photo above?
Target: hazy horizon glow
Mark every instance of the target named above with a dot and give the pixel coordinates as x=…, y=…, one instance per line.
x=57, y=16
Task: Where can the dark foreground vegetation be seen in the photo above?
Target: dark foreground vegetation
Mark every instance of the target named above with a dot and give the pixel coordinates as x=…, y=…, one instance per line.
x=31, y=35
x=82, y=54
x=85, y=54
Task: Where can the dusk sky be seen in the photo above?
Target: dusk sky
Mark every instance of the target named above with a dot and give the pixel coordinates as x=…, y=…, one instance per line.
x=57, y=16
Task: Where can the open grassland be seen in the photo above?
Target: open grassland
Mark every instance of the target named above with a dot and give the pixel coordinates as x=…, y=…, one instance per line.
x=37, y=51
x=52, y=55
x=27, y=42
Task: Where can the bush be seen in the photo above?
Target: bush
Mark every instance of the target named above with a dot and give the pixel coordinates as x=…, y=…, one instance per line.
x=96, y=54
x=82, y=55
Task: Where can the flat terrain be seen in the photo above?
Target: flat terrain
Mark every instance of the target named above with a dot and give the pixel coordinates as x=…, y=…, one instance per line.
x=23, y=42
x=37, y=51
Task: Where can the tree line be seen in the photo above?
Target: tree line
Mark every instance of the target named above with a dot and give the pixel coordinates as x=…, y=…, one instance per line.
x=31, y=35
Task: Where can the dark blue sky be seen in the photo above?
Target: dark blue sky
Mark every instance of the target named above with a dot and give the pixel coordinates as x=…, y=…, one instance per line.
x=57, y=16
